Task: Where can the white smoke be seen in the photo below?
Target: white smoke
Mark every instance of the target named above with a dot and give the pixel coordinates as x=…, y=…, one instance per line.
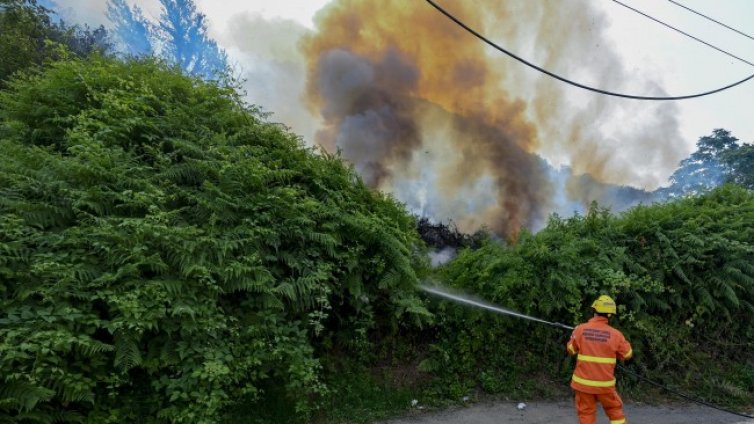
x=272, y=67
x=442, y=257
x=81, y=12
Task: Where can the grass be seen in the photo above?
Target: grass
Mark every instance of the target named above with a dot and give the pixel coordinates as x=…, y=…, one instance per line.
x=360, y=397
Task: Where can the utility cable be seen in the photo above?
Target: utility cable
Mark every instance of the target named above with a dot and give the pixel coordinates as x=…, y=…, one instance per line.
x=711, y=19
x=679, y=394
x=494, y=308
x=682, y=32
x=573, y=83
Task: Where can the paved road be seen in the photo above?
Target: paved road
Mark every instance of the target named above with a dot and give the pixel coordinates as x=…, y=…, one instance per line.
x=564, y=413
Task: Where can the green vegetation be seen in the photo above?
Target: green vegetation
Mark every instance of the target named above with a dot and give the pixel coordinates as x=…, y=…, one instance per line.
x=682, y=273
x=29, y=38
x=718, y=158
x=165, y=254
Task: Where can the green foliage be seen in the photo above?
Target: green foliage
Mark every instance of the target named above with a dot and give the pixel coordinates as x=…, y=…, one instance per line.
x=358, y=396
x=719, y=158
x=741, y=162
x=22, y=36
x=167, y=256
x=28, y=38
x=682, y=273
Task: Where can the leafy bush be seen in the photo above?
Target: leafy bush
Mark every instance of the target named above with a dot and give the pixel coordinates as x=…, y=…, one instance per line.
x=166, y=255
x=682, y=273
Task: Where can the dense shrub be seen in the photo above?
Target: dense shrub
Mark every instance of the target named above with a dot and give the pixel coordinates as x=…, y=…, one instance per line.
x=682, y=273
x=166, y=255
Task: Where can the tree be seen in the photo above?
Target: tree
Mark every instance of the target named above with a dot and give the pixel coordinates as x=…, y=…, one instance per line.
x=83, y=41
x=187, y=44
x=180, y=37
x=741, y=164
x=29, y=37
x=131, y=28
x=24, y=27
x=706, y=168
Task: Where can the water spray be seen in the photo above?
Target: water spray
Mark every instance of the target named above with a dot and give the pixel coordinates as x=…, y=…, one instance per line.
x=488, y=306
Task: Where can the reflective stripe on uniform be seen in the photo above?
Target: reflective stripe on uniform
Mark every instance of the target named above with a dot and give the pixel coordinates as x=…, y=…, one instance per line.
x=597, y=359
x=593, y=383
x=620, y=421
x=571, y=349
x=628, y=355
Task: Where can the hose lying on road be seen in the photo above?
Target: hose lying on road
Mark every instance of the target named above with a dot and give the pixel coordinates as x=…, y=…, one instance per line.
x=500, y=310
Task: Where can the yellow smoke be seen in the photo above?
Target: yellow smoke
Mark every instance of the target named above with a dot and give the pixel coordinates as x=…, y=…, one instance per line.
x=386, y=75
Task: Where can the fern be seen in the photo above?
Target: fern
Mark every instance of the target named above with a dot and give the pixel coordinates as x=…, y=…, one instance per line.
x=172, y=287
x=24, y=396
x=127, y=352
x=727, y=387
x=91, y=348
x=72, y=388
x=195, y=254
x=678, y=271
x=247, y=285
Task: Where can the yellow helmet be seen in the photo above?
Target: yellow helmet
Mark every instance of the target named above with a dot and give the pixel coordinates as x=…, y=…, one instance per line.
x=604, y=305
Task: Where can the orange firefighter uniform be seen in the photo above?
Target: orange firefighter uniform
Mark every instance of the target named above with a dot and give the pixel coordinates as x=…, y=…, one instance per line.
x=597, y=346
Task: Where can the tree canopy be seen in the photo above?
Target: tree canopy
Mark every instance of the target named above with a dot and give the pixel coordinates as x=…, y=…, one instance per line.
x=29, y=37
x=180, y=37
x=718, y=158
x=131, y=28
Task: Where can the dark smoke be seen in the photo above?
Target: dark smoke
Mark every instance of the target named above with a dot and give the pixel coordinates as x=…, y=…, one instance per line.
x=368, y=110
x=428, y=113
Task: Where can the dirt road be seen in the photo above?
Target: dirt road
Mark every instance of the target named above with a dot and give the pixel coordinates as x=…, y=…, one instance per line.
x=563, y=413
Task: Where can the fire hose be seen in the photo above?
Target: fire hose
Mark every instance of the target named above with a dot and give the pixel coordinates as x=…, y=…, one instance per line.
x=504, y=311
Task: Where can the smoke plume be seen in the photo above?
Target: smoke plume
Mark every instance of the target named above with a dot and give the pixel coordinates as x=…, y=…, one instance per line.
x=427, y=112
x=272, y=67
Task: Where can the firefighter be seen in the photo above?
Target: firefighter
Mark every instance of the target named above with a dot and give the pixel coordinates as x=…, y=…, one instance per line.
x=598, y=346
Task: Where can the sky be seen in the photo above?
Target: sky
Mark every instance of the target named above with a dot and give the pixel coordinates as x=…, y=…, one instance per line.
x=262, y=38
x=680, y=65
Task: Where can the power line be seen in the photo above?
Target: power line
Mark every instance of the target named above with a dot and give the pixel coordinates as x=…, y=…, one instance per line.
x=711, y=19
x=573, y=83
x=683, y=32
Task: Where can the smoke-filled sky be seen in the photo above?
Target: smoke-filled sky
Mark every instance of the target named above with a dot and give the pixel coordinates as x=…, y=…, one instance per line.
x=456, y=130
